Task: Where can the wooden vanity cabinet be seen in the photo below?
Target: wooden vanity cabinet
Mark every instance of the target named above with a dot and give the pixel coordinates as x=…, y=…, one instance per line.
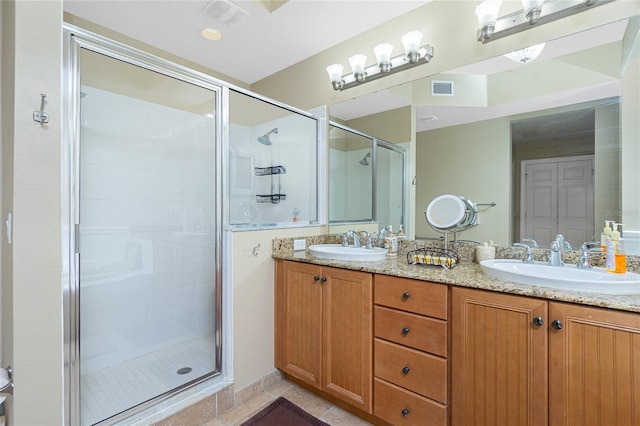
x=518, y=360
x=594, y=371
x=411, y=350
x=498, y=359
x=324, y=329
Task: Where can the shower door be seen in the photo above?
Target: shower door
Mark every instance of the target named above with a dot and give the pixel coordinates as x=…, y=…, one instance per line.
x=147, y=234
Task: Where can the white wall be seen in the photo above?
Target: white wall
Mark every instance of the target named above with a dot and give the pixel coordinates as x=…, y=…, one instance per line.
x=294, y=147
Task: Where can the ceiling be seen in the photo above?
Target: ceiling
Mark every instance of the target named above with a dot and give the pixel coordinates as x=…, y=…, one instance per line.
x=262, y=38
x=267, y=36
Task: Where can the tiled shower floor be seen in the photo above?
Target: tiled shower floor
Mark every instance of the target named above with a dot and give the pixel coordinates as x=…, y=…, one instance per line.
x=117, y=388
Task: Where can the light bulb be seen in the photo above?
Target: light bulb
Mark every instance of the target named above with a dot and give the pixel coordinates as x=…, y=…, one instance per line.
x=411, y=42
x=383, y=56
x=357, y=63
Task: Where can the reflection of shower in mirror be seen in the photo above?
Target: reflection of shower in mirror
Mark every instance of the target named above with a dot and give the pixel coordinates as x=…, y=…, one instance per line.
x=364, y=161
x=264, y=139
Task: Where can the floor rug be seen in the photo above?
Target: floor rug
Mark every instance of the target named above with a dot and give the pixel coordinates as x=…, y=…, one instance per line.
x=283, y=412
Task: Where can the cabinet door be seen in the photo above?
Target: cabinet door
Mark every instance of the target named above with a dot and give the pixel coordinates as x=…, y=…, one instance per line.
x=498, y=359
x=595, y=366
x=348, y=336
x=298, y=305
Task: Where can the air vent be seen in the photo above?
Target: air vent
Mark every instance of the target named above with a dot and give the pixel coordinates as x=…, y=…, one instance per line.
x=225, y=11
x=442, y=88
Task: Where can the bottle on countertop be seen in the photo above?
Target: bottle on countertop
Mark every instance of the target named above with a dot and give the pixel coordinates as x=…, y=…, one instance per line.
x=606, y=233
x=485, y=252
x=612, y=249
x=620, y=255
x=391, y=243
x=401, y=235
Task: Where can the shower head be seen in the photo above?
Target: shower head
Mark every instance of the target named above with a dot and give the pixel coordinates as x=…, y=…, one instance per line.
x=264, y=139
x=364, y=161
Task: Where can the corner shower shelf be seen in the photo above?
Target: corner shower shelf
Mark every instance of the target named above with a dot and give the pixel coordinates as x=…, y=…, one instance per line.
x=274, y=171
x=270, y=198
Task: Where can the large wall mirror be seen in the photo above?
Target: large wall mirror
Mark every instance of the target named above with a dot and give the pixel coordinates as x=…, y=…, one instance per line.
x=569, y=110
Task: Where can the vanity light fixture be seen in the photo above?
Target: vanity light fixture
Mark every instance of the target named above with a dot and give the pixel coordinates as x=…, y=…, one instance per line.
x=414, y=55
x=533, y=13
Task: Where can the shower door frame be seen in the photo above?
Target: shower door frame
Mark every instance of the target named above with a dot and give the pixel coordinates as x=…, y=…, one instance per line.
x=75, y=39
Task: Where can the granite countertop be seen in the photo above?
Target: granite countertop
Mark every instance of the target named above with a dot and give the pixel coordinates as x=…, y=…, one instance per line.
x=466, y=274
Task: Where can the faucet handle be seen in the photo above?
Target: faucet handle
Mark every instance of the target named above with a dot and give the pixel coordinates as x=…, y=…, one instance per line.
x=586, y=247
x=370, y=238
x=528, y=258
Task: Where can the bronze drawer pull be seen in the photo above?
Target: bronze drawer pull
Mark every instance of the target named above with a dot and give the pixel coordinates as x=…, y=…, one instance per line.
x=405, y=370
x=405, y=331
x=405, y=412
x=406, y=295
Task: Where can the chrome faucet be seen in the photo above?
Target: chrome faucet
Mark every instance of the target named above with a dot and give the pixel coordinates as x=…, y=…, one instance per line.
x=585, y=261
x=354, y=235
x=556, y=248
x=528, y=255
x=370, y=238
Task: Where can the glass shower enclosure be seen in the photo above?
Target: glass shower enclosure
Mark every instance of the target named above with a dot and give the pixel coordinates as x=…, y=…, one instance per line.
x=144, y=215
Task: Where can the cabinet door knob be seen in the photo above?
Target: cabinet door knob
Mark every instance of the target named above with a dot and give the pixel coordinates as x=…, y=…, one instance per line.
x=538, y=321
x=405, y=331
x=557, y=324
x=405, y=412
x=323, y=280
x=405, y=370
x=406, y=295
x=316, y=278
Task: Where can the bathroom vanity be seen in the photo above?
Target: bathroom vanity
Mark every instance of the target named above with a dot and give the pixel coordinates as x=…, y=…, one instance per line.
x=421, y=345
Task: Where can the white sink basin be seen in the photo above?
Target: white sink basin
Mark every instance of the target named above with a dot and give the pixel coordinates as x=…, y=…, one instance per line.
x=567, y=277
x=339, y=252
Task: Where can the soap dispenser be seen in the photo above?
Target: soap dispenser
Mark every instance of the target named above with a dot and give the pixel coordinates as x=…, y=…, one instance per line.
x=612, y=248
x=620, y=256
x=606, y=233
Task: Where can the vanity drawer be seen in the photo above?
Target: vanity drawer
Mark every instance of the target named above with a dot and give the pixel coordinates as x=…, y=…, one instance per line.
x=417, y=371
x=423, y=333
x=401, y=407
x=419, y=297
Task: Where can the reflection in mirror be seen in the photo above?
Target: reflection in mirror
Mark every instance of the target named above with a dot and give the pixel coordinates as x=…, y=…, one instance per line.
x=390, y=178
x=463, y=138
x=555, y=187
x=367, y=179
x=350, y=176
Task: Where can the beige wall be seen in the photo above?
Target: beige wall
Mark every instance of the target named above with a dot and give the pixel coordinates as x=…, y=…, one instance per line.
x=253, y=302
x=392, y=126
x=33, y=67
x=472, y=160
x=449, y=26
x=630, y=127
x=607, y=180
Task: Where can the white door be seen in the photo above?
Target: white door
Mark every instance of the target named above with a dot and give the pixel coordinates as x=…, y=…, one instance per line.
x=540, y=197
x=576, y=201
x=557, y=198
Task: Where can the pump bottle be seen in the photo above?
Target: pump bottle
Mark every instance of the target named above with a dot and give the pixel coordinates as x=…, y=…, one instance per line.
x=606, y=233
x=620, y=257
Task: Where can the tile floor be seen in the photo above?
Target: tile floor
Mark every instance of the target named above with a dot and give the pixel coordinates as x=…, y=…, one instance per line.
x=114, y=389
x=311, y=403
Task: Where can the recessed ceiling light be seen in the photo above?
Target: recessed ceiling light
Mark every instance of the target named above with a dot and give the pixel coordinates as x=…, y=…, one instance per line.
x=211, y=34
